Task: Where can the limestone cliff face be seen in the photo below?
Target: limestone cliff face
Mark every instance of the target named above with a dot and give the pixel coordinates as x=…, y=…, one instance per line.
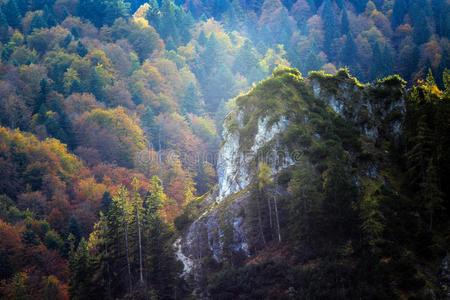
x=252, y=134
x=227, y=205
x=377, y=109
x=234, y=165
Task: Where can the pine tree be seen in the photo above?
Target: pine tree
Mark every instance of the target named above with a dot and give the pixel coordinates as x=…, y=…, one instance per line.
x=122, y=197
x=376, y=70
x=192, y=101
x=234, y=16
x=168, y=22
x=151, y=128
x=106, y=202
x=398, y=13
x=12, y=13
x=3, y=23
x=211, y=56
x=245, y=59
x=96, y=84
x=312, y=62
x=115, y=9
x=42, y=95
x=421, y=29
x=23, y=6
x=304, y=207
x=92, y=10
x=81, y=49
x=426, y=120
x=139, y=217
x=441, y=12
x=430, y=192
x=330, y=27
x=115, y=257
x=19, y=288
x=161, y=263
x=80, y=272
x=349, y=52
x=185, y=23
x=38, y=22
x=388, y=61
x=49, y=17
x=264, y=183
x=202, y=39
x=372, y=221
x=51, y=291
x=345, y=25
x=74, y=229
x=339, y=197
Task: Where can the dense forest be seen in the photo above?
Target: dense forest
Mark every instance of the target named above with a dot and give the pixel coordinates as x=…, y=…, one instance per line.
x=111, y=120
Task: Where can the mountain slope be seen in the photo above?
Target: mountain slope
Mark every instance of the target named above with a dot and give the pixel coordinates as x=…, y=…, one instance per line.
x=307, y=186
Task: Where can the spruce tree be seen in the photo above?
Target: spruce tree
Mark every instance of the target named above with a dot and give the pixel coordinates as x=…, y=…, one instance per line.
x=330, y=27
x=151, y=128
x=106, y=202
x=191, y=102
x=245, y=60
x=349, y=52
x=80, y=272
x=398, y=13
x=74, y=229
x=345, y=25
x=12, y=13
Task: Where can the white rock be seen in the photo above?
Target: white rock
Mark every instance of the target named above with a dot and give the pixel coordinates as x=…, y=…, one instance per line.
x=233, y=164
x=187, y=262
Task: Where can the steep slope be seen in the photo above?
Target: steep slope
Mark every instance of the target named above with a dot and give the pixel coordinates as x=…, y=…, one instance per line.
x=285, y=122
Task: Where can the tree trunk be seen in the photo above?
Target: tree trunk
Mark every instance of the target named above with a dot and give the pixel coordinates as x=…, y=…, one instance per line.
x=107, y=271
x=276, y=211
x=141, y=276
x=270, y=212
x=126, y=246
x=260, y=222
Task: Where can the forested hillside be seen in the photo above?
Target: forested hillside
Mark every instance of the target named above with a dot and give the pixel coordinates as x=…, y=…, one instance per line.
x=111, y=116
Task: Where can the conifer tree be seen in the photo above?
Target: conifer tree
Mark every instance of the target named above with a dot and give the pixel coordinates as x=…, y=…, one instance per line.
x=330, y=27
x=304, y=207
x=122, y=196
x=398, y=12
x=245, y=60
x=151, y=128
x=80, y=273
x=345, y=25
x=161, y=263
x=75, y=229
x=139, y=216
x=3, y=27
x=106, y=202
x=12, y=13
x=191, y=102
x=339, y=197
x=202, y=39
x=37, y=22
x=349, y=52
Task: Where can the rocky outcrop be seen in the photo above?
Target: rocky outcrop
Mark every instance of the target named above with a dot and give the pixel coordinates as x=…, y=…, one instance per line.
x=234, y=165
x=377, y=109
x=227, y=206
x=253, y=134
